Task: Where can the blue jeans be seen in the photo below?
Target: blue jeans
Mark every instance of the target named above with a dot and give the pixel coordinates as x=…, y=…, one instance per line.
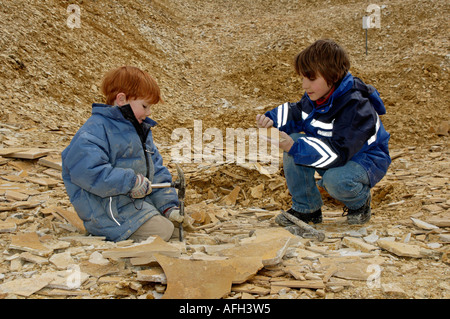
x=348, y=184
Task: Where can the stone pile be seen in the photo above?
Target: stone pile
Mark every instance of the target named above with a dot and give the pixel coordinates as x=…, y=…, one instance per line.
x=230, y=250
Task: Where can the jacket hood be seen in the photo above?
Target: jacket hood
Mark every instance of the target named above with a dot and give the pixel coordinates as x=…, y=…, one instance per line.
x=349, y=82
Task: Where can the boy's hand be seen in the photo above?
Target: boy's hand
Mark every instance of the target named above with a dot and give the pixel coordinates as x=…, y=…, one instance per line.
x=141, y=188
x=286, y=142
x=174, y=215
x=263, y=121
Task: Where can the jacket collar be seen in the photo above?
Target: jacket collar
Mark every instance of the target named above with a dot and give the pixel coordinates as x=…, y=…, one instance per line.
x=344, y=86
x=115, y=113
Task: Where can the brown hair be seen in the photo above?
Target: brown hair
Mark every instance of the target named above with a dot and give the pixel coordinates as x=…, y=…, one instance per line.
x=135, y=83
x=325, y=57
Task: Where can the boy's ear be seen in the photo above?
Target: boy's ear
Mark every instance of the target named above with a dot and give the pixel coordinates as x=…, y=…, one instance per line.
x=121, y=99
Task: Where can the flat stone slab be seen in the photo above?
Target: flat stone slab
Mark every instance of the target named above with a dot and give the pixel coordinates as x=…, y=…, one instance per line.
x=196, y=279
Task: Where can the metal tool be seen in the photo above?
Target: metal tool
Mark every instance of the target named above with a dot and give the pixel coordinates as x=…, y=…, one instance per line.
x=180, y=184
x=307, y=231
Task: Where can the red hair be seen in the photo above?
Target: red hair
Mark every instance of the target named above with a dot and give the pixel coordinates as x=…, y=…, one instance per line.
x=135, y=83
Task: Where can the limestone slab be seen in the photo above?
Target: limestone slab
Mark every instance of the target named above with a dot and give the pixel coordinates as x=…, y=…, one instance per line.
x=7, y=226
x=358, y=244
x=62, y=260
x=70, y=216
x=24, y=286
x=66, y=279
x=29, y=242
x=97, y=270
x=196, y=279
x=312, y=284
x=231, y=198
x=251, y=289
x=270, y=252
x=153, y=274
x=33, y=258
x=245, y=268
x=401, y=249
x=145, y=249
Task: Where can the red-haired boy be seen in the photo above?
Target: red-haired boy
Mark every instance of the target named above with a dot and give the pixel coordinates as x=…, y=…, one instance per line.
x=111, y=162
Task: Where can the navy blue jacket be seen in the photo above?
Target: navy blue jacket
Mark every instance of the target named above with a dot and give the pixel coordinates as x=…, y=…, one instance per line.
x=99, y=170
x=347, y=127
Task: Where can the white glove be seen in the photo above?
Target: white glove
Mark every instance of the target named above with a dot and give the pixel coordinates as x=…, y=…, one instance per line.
x=174, y=215
x=141, y=188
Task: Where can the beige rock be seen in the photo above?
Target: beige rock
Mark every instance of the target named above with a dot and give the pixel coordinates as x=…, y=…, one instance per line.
x=24, y=286
x=7, y=226
x=231, y=198
x=393, y=289
x=424, y=225
x=251, y=289
x=270, y=252
x=62, y=260
x=144, y=249
x=72, y=278
x=33, y=258
x=153, y=274
x=257, y=191
x=312, y=284
x=97, y=270
x=358, y=244
x=29, y=242
x=196, y=279
x=97, y=258
x=401, y=249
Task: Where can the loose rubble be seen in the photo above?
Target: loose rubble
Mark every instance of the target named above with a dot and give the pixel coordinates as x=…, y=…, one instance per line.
x=46, y=252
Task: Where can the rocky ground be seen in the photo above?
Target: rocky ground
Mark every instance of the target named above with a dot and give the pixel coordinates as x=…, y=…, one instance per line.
x=221, y=63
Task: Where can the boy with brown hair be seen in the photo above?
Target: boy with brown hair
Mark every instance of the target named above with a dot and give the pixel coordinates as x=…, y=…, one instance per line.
x=335, y=130
x=112, y=161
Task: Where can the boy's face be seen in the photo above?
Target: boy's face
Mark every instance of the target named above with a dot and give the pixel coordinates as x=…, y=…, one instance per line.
x=141, y=108
x=316, y=88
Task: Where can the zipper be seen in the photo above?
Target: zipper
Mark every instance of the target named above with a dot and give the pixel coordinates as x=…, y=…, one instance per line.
x=147, y=163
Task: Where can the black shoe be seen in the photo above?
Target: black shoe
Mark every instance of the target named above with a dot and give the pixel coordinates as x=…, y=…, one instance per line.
x=315, y=217
x=359, y=216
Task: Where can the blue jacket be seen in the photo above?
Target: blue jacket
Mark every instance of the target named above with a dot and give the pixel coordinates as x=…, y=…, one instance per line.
x=99, y=170
x=347, y=127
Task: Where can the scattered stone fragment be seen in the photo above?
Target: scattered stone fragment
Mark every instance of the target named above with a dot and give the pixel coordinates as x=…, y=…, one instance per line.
x=393, y=290
x=231, y=198
x=29, y=242
x=33, y=258
x=7, y=226
x=153, y=274
x=251, y=289
x=144, y=249
x=311, y=284
x=401, y=249
x=97, y=258
x=24, y=286
x=62, y=260
x=98, y=270
x=358, y=244
x=195, y=279
x=423, y=225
